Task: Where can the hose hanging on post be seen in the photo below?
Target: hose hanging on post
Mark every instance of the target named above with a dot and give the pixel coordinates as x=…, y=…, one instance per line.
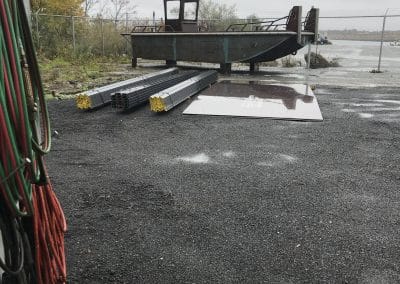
x=32, y=223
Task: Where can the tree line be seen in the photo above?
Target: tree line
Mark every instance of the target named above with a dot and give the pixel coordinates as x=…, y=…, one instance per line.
x=60, y=26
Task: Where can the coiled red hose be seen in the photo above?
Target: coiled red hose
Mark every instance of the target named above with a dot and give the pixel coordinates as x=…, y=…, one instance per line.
x=24, y=184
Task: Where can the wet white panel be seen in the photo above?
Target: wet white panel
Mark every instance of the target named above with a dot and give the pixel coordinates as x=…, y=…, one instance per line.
x=254, y=99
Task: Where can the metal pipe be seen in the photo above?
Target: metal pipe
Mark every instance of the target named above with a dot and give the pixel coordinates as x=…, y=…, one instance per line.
x=102, y=37
x=309, y=57
x=381, y=47
x=37, y=30
x=308, y=69
x=299, y=25
x=216, y=20
x=73, y=33
x=126, y=30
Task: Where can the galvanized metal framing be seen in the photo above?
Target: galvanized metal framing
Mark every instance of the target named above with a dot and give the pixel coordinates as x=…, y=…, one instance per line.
x=130, y=98
x=102, y=96
x=173, y=96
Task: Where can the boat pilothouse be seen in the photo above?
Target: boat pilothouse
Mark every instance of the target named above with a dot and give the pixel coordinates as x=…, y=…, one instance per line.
x=181, y=16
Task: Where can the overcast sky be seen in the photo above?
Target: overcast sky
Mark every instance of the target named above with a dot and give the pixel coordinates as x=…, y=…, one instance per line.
x=278, y=8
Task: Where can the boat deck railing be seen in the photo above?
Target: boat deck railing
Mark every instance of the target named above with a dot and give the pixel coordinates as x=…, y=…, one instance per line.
x=293, y=22
x=151, y=28
x=262, y=26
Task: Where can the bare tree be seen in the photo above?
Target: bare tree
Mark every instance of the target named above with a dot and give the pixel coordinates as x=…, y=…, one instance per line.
x=253, y=18
x=88, y=5
x=120, y=7
x=215, y=15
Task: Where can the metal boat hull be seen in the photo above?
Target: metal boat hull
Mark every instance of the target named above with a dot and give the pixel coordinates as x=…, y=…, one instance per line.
x=218, y=47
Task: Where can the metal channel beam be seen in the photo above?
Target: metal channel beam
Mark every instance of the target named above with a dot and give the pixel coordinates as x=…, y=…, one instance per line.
x=101, y=96
x=171, y=97
x=130, y=98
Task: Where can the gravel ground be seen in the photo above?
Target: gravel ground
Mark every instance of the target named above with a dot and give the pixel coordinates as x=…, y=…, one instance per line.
x=198, y=199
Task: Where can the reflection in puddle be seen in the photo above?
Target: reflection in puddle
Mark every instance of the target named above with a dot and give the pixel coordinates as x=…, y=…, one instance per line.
x=255, y=90
x=257, y=99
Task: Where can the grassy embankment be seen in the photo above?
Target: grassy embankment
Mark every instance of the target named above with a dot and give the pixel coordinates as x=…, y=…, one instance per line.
x=63, y=76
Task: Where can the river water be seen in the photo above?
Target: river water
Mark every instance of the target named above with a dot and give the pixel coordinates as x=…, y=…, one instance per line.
x=360, y=55
x=356, y=59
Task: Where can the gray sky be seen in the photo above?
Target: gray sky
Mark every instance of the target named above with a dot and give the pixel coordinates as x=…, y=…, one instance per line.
x=145, y=8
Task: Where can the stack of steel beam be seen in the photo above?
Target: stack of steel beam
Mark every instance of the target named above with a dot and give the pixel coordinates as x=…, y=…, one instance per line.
x=133, y=97
x=171, y=97
x=102, y=96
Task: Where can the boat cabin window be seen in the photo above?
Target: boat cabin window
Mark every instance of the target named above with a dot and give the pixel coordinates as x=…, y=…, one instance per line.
x=173, y=10
x=190, y=10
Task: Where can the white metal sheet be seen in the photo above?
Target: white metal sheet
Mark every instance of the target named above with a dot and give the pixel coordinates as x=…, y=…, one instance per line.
x=254, y=99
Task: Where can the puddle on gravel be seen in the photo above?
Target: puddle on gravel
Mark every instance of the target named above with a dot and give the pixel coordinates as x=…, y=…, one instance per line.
x=278, y=160
x=366, y=115
x=377, y=109
x=201, y=158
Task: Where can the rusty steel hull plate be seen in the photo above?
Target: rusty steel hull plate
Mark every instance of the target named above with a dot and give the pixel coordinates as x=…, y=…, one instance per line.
x=255, y=99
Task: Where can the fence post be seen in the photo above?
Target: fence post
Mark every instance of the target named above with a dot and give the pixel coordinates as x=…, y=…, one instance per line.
x=37, y=30
x=383, y=33
x=102, y=36
x=154, y=22
x=309, y=57
x=126, y=30
x=73, y=33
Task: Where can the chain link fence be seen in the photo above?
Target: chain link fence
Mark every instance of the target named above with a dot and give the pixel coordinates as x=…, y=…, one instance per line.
x=56, y=35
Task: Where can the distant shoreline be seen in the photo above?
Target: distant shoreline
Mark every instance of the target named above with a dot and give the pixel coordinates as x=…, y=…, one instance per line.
x=361, y=35
x=377, y=40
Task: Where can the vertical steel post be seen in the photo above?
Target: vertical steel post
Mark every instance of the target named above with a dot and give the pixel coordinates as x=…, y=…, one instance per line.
x=383, y=33
x=309, y=56
x=28, y=10
x=299, y=25
x=316, y=27
x=37, y=30
x=102, y=36
x=154, y=21
x=73, y=33
x=126, y=30
x=308, y=68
